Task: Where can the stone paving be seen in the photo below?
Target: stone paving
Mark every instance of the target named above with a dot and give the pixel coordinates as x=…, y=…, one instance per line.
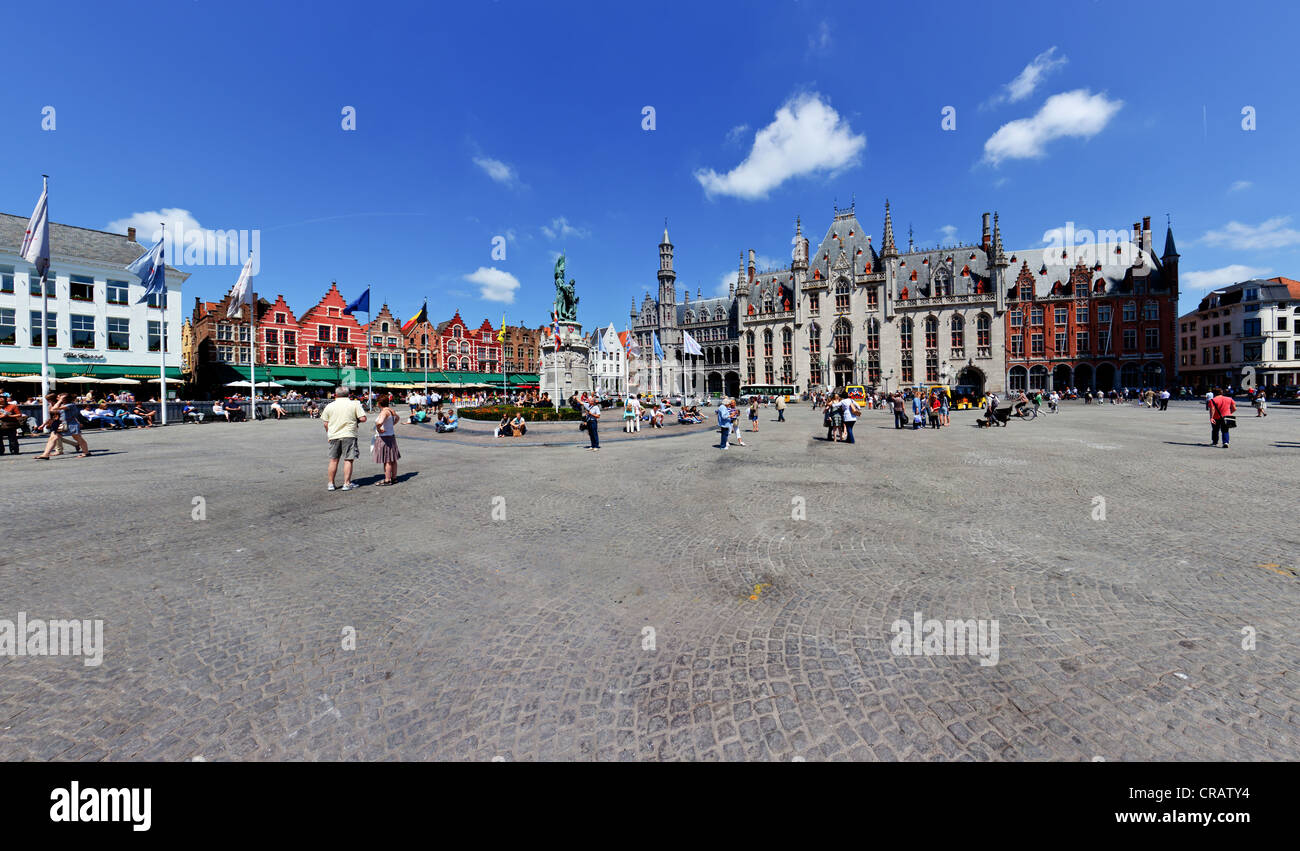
x=503, y=595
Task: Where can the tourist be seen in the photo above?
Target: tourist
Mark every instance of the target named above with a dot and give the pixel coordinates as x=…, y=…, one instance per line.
x=850, y=410
x=280, y=412
x=724, y=422
x=499, y=431
x=780, y=409
x=63, y=415
x=145, y=414
x=632, y=414
x=734, y=411
x=447, y=422
x=934, y=410
x=234, y=411
x=592, y=413
x=944, y=402
x=900, y=414
x=313, y=410
x=918, y=411
x=1222, y=419
x=518, y=425
x=340, y=419
x=384, y=449
x=753, y=413
x=11, y=417
x=1164, y=399
x=1261, y=404
x=191, y=414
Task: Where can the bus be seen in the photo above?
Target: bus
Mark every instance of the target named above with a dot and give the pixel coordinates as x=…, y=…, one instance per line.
x=769, y=390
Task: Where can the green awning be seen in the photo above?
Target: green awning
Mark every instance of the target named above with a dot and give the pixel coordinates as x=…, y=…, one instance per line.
x=142, y=372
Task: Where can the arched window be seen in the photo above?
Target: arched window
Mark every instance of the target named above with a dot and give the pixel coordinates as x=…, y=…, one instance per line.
x=383, y=327
x=690, y=316
x=842, y=292
x=958, y=331
x=814, y=341
x=843, y=336
x=424, y=340
x=983, y=331
x=767, y=343
x=1018, y=379
x=464, y=347
x=749, y=342
x=455, y=332
x=905, y=333
x=931, y=332
x=873, y=335
x=767, y=301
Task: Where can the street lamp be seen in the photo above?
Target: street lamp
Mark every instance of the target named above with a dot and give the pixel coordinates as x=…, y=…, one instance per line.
x=887, y=379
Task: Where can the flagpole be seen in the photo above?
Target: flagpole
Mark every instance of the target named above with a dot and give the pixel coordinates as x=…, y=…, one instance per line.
x=162, y=334
x=370, y=380
x=45, y=316
x=252, y=352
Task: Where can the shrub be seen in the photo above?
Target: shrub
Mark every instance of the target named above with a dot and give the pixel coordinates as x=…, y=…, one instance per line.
x=494, y=413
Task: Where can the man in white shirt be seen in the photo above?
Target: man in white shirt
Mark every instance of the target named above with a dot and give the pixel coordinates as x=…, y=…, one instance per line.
x=851, y=411
x=340, y=418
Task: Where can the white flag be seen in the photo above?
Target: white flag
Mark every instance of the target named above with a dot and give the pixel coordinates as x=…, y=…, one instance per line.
x=243, y=292
x=689, y=345
x=36, y=242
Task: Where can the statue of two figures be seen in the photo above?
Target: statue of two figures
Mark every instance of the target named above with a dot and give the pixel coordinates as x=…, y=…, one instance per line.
x=566, y=299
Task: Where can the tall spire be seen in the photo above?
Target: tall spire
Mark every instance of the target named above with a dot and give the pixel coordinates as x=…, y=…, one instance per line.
x=998, y=257
x=666, y=240
x=1170, y=250
x=887, y=242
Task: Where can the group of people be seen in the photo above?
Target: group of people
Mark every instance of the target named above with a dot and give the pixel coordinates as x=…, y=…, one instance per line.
x=341, y=419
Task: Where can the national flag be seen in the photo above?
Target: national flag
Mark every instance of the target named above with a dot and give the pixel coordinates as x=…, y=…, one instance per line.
x=243, y=292
x=36, y=241
x=659, y=350
x=151, y=269
x=689, y=346
x=629, y=342
x=418, y=319
x=501, y=335
x=362, y=304
x=555, y=328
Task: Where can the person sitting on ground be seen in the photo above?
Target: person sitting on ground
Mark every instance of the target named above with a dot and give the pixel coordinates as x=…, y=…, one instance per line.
x=313, y=410
x=449, y=422
x=419, y=416
x=278, y=410
x=500, y=430
x=100, y=416
x=518, y=425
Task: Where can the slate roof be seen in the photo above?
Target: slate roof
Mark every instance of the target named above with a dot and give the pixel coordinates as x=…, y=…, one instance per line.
x=70, y=243
x=713, y=305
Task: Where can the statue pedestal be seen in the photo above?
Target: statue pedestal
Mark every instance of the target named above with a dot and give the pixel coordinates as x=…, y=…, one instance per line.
x=573, y=358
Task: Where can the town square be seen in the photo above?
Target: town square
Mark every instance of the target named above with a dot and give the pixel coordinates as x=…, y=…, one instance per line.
x=575, y=383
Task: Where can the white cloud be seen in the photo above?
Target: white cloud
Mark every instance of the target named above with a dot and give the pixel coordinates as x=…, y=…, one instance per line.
x=560, y=227
x=494, y=285
x=949, y=232
x=821, y=39
x=1212, y=279
x=1078, y=114
x=806, y=136
x=1240, y=185
x=1270, y=233
x=500, y=172
x=736, y=133
x=1028, y=80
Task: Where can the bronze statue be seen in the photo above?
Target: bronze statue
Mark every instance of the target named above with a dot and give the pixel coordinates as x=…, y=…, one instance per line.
x=566, y=299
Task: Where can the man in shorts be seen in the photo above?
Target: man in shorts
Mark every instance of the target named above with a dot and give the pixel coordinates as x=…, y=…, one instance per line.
x=340, y=418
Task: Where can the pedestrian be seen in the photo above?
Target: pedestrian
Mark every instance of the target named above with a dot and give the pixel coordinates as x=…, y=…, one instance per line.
x=591, y=411
x=632, y=414
x=918, y=411
x=1261, y=404
x=340, y=419
x=849, y=411
x=753, y=413
x=11, y=417
x=944, y=402
x=384, y=449
x=1164, y=399
x=1222, y=419
x=724, y=423
x=780, y=409
x=63, y=414
x=735, y=421
x=934, y=410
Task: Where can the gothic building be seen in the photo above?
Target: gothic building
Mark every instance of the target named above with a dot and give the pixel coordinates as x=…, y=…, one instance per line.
x=846, y=313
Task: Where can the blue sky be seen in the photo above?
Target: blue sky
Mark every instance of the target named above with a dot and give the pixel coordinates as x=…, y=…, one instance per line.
x=525, y=121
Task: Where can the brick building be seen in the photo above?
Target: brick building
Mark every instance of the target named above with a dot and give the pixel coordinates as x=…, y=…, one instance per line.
x=465, y=349
x=330, y=337
x=386, y=342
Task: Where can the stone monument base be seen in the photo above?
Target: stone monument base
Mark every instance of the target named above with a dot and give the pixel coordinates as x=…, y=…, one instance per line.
x=574, y=361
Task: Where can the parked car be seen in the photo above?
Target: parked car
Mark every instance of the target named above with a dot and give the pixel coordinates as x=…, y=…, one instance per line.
x=1290, y=395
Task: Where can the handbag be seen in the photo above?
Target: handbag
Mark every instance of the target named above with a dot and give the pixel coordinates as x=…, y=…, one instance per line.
x=582, y=426
x=1229, y=422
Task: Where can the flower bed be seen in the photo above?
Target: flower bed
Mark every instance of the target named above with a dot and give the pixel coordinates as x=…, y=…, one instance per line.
x=494, y=413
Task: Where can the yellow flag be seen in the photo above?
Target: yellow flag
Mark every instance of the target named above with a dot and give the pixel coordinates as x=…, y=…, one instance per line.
x=501, y=335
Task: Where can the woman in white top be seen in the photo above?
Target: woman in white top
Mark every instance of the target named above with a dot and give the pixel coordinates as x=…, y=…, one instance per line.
x=385, y=448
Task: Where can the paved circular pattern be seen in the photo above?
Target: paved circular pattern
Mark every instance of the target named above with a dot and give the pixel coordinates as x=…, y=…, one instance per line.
x=770, y=575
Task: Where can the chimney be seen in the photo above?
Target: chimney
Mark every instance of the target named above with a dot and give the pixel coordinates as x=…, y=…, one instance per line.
x=984, y=242
x=130, y=234
x=1146, y=233
x=1137, y=233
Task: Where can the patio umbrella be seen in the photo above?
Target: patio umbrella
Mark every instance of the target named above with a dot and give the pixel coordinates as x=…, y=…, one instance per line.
x=238, y=384
x=84, y=379
x=23, y=379
x=118, y=381
x=168, y=380
x=268, y=384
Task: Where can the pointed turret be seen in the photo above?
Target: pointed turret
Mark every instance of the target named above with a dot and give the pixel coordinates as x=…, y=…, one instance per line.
x=1170, y=250
x=887, y=248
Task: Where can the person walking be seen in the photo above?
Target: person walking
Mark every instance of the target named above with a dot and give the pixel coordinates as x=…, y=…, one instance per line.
x=592, y=412
x=780, y=409
x=632, y=415
x=850, y=412
x=753, y=413
x=63, y=412
x=1261, y=404
x=1164, y=399
x=734, y=410
x=896, y=402
x=724, y=423
x=11, y=417
x=944, y=403
x=384, y=449
x=1222, y=419
x=340, y=419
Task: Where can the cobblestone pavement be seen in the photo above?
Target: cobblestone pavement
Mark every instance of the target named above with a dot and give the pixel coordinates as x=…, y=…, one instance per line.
x=524, y=635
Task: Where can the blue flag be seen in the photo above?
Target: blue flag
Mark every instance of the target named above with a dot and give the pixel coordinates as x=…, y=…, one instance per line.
x=151, y=269
x=659, y=352
x=362, y=304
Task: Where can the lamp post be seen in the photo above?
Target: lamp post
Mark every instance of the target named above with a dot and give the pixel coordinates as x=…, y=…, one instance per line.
x=887, y=379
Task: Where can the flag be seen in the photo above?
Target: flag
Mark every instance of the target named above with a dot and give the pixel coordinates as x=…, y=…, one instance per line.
x=630, y=343
x=418, y=319
x=151, y=269
x=555, y=328
x=659, y=350
x=600, y=342
x=362, y=304
x=689, y=346
x=501, y=335
x=243, y=292
x=36, y=241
